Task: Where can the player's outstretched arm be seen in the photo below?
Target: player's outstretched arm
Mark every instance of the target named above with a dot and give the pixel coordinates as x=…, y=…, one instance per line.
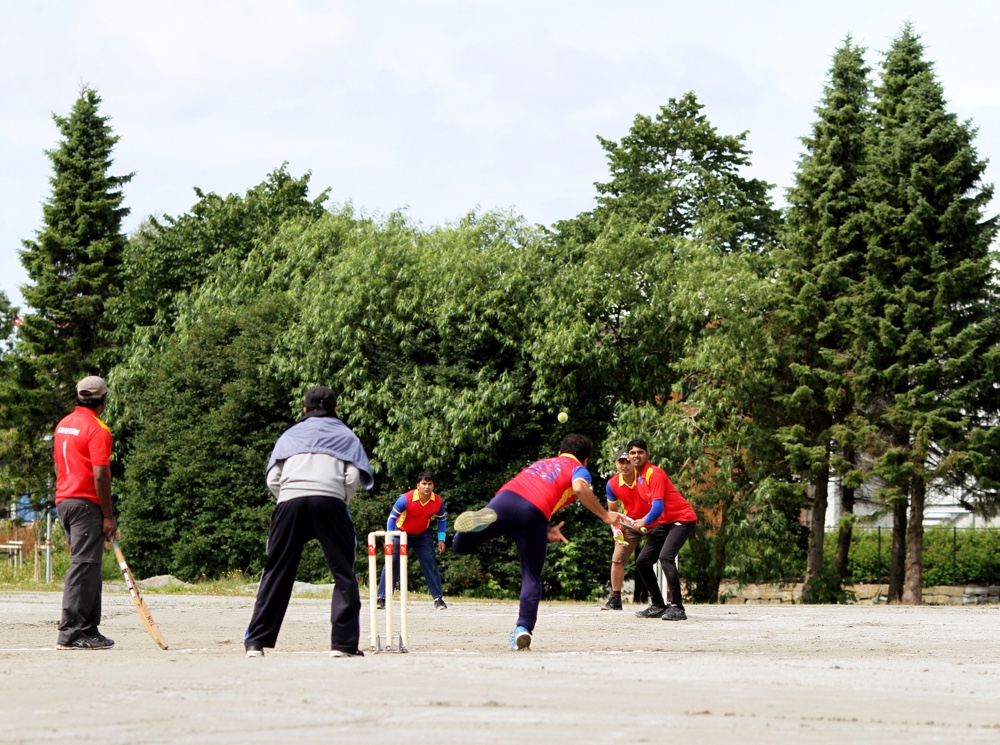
x=589, y=500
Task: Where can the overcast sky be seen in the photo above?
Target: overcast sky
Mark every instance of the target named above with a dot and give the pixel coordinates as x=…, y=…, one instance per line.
x=434, y=107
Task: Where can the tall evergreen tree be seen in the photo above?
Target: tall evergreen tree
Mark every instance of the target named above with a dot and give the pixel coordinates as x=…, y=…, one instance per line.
x=930, y=330
x=73, y=267
x=821, y=266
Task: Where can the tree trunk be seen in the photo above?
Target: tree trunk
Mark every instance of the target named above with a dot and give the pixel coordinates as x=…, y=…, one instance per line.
x=913, y=586
x=814, y=559
x=897, y=556
x=844, y=533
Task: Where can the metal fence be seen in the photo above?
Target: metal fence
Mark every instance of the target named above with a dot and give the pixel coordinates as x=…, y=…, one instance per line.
x=951, y=555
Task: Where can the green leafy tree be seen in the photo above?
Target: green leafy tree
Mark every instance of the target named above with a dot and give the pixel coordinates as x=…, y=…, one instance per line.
x=676, y=175
x=193, y=501
x=197, y=405
x=673, y=178
x=427, y=335
x=930, y=332
x=714, y=432
x=73, y=268
x=629, y=339
x=822, y=263
x=171, y=257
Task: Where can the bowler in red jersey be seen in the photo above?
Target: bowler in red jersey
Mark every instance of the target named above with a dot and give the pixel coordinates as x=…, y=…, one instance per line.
x=522, y=509
x=671, y=520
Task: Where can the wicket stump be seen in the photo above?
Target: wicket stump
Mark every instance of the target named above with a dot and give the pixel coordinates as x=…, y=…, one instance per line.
x=392, y=644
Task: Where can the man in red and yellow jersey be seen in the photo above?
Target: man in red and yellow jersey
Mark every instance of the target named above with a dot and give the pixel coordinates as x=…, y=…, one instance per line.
x=82, y=450
x=522, y=509
x=412, y=513
x=624, y=496
x=670, y=522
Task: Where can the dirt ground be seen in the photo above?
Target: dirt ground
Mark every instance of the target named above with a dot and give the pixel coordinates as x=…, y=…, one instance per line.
x=730, y=674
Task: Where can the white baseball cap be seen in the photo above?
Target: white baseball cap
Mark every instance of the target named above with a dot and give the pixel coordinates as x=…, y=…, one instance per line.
x=91, y=387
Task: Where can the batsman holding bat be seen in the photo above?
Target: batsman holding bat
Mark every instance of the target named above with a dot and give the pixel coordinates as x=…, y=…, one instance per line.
x=82, y=451
x=624, y=496
x=669, y=523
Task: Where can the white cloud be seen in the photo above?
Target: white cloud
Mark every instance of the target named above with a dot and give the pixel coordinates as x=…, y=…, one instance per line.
x=440, y=105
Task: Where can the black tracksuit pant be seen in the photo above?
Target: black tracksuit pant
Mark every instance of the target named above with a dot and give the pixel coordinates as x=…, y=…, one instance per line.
x=662, y=544
x=293, y=524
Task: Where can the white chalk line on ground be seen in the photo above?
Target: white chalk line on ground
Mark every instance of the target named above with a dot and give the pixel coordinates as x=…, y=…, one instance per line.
x=321, y=653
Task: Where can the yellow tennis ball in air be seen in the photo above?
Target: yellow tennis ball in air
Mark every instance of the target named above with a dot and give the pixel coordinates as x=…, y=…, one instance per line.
x=563, y=417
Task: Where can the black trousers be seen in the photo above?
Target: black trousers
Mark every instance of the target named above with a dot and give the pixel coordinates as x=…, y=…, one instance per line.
x=663, y=543
x=82, y=522
x=293, y=524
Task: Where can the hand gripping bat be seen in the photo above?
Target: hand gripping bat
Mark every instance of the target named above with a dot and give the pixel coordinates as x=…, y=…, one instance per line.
x=140, y=605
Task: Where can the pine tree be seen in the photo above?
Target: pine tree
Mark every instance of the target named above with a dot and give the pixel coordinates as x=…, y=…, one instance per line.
x=821, y=266
x=73, y=267
x=74, y=263
x=930, y=330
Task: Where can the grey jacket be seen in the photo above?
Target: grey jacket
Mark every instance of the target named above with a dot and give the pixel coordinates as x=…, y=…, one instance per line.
x=311, y=475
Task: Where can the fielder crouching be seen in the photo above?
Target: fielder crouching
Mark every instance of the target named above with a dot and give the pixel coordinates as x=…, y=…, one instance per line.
x=314, y=471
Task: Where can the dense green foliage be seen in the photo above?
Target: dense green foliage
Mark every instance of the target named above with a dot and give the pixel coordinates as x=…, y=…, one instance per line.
x=951, y=556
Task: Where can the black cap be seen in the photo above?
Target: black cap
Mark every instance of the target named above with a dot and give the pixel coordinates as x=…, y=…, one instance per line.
x=622, y=455
x=321, y=397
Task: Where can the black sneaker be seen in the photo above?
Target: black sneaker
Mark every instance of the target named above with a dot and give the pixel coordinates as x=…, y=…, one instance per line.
x=254, y=650
x=653, y=611
x=439, y=604
x=380, y=603
x=88, y=642
x=674, y=613
x=345, y=653
x=612, y=604
x=108, y=643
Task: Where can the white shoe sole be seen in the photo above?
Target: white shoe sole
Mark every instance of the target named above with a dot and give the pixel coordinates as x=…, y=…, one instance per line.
x=471, y=522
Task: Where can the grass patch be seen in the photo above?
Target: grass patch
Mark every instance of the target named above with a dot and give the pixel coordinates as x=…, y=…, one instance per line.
x=234, y=584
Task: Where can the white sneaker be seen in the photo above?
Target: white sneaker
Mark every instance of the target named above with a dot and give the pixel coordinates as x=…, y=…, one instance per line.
x=473, y=522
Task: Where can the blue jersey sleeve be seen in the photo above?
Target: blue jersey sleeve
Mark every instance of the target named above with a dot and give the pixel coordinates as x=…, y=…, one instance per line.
x=397, y=509
x=581, y=472
x=442, y=519
x=610, y=494
x=654, y=512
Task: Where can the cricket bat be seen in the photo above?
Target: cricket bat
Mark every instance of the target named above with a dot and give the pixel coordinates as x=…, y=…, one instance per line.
x=140, y=605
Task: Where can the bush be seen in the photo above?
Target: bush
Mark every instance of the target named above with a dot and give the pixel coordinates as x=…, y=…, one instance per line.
x=952, y=556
